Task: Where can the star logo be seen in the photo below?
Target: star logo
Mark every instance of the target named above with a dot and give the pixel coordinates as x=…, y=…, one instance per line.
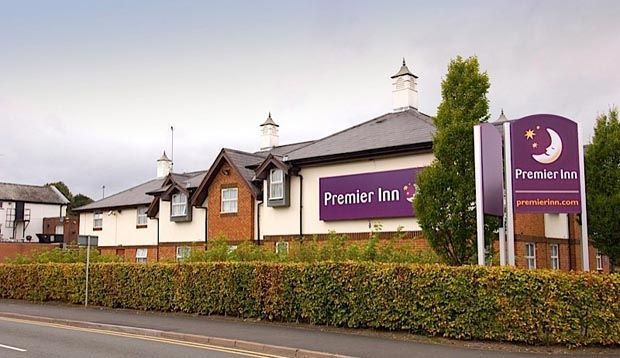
x=529, y=134
x=534, y=145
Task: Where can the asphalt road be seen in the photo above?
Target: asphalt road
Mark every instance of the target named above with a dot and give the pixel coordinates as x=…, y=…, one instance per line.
x=22, y=339
x=356, y=343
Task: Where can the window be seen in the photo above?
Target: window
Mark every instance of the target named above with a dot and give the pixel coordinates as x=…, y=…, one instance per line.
x=183, y=252
x=555, y=257
x=276, y=184
x=229, y=200
x=141, y=219
x=530, y=255
x=98, y=221
x=179, y=205
x=599, y=261
x=141, y=255
x=281, y=247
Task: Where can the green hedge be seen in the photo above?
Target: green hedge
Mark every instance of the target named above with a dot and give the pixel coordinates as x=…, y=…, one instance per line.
x=540, y=307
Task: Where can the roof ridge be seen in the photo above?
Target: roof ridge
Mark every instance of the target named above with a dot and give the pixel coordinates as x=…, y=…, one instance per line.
x=121, y=192
x=242, y=152
x=30, y=185
x=344, y=130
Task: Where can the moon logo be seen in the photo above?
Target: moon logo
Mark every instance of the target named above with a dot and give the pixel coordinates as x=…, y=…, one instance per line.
x=553, y=151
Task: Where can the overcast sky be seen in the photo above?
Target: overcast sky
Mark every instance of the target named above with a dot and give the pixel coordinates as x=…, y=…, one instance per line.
x=88, y=90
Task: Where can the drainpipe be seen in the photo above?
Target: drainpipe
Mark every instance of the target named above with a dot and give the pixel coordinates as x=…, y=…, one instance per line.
x=258, y=205
x=301, y=205
x=157, y=218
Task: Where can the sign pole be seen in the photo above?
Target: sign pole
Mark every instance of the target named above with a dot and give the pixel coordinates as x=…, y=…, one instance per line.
x=502, y=246
x=510, y=224
x=479, y=198
x=585, y=252
x=87, y=267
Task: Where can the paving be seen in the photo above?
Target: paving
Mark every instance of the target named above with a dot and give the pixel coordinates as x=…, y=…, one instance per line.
x=353, y=343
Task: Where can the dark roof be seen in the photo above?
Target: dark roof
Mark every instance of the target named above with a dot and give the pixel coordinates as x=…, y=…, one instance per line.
x=269, y=121
x=242, y=160
x=31, y=193
x=283, y=149
x=408, y=128
x=137, y=195
x=403, y=71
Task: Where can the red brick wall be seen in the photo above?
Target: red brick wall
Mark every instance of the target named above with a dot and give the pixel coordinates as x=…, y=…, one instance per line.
x=530, y=224
x=12, y=249
x=167, y=251
x=235, y=227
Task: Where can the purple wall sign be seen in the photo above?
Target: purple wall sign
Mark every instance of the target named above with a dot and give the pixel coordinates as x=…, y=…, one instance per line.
x=386, y=194
x=545, y=165
x=492, y=170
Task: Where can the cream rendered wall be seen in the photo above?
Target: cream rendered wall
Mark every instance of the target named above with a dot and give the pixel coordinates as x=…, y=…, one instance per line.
x=35, y=226
x=190, y=231
x=119, y=228
x=285, y=221
x=556, y=226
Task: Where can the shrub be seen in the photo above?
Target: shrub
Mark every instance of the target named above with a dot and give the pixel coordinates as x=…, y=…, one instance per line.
x=469, y=302
x=58, y=255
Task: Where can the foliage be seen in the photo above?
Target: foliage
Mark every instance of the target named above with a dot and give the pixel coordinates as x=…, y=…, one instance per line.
x=62, y=256
x=602, y=162
x=469, y=302
x=446, y=194
x=75, y=201
x=336, y=248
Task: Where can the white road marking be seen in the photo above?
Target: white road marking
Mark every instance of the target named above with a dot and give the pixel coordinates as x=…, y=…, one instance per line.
x=12, y=348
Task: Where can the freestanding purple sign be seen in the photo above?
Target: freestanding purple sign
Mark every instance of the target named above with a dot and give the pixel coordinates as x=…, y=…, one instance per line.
x=545, y=165
x=387, y=194
x=492, y=170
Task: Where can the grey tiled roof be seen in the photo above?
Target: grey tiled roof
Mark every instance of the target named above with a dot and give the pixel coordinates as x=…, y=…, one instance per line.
x=31, y=193
x=389, y=130
x=242, y=160
x=284, y=149
x=138, y=194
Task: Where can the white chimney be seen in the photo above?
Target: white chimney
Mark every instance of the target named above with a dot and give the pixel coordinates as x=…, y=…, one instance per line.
x=164, y=165
x=405, y=91
x=269, y=134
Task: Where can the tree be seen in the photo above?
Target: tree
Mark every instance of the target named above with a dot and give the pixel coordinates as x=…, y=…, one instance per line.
x=446, y=194
x=75, y=201
x=602, y=162
x=63, y=188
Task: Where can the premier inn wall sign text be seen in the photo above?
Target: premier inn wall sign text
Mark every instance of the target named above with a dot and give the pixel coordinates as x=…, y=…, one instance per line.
x=387, y=194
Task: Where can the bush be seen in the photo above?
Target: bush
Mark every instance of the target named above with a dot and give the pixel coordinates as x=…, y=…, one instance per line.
x=469, y=302
x=58, y=255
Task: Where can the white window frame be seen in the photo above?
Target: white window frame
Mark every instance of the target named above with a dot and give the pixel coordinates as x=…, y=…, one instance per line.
x=141, y=216
x=97, y=220
x=530, y=259
x=276, y=183
x=599, y=261
x=555, y=259
x=183, y=252
x=280, y=245
x=232, y=248
x=142, y=255
x=178, y=205
x=233, y=202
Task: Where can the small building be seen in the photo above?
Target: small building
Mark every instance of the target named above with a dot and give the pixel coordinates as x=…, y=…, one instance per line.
x=23, y=209
x=150, y=221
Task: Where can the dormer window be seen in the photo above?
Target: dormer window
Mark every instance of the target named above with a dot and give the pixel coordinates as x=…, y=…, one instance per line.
x=276, y=184
x=179, y=205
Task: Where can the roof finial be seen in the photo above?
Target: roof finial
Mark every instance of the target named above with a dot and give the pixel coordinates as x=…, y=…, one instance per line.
x=269, y=116
x=502, y=111
x=404, y=62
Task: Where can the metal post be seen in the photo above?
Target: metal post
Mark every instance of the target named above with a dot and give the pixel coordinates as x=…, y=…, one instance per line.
x=510, y=223
x=502, y=247
x=585, y=250
x=87, y=269
x=479, y=199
